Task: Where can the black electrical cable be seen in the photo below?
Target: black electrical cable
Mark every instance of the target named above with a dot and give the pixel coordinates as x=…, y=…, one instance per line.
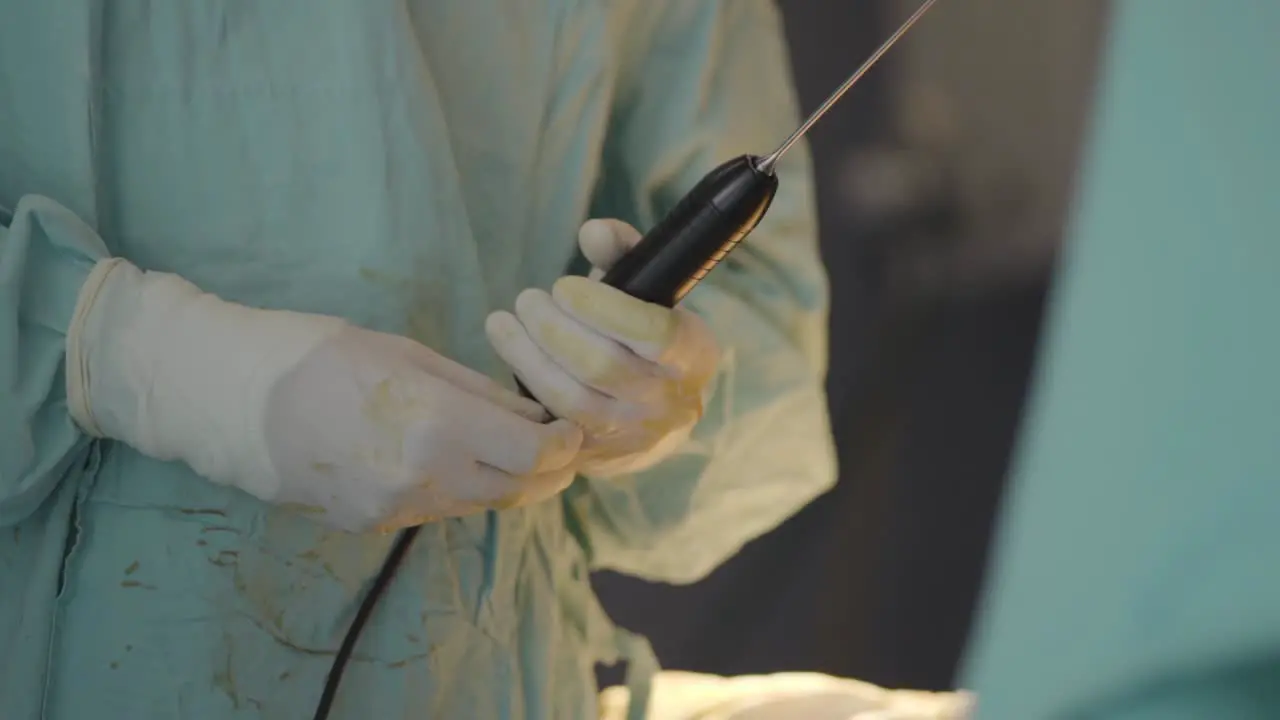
x=395, y=556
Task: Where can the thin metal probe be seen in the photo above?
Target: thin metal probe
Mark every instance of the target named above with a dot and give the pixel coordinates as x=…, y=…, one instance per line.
x=767, y=163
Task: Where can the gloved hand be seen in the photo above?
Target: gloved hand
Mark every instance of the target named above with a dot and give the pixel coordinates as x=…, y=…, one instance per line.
x=359, y=429
x=632, y=374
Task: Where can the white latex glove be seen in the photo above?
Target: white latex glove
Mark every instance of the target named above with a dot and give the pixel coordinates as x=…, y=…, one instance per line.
x=360, y=430
x=632, y=374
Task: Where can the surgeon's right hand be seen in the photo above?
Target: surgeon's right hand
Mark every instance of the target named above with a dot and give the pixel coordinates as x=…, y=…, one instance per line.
x=360, y=430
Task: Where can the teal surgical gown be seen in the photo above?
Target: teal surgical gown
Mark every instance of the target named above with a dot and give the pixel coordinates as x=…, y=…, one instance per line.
x=1138, y=576
x=409, y=166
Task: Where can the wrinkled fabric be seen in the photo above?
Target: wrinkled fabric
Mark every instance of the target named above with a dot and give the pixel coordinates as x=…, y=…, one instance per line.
x=679, y=695
x=379, y=162
x=1136, y=575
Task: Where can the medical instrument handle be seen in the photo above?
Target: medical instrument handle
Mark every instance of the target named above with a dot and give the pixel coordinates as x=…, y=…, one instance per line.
x=704, y=227
x=700, y=231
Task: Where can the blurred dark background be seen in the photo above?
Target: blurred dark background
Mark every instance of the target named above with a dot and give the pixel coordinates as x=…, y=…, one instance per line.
x=944, y=180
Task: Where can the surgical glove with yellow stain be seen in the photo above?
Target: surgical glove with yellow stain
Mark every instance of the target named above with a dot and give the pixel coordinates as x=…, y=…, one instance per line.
x=633, y=375
x=358, y=429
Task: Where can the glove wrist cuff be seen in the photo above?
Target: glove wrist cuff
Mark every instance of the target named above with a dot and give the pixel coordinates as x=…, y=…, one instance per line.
x=180, y=374
x=77, y=367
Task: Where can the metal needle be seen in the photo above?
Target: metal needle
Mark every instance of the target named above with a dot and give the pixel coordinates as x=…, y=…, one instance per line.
x=767, y=163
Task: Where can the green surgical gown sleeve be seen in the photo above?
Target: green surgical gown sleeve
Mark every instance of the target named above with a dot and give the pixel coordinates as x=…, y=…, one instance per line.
x=46, y=253
x=1137, y=574
x=700, y=83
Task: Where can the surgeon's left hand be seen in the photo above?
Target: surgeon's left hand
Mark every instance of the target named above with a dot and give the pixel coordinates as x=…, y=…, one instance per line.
x=632, y=374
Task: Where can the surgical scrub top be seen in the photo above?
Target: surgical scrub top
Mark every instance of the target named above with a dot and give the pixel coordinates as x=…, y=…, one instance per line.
x=409, y=166
x=1138, y=576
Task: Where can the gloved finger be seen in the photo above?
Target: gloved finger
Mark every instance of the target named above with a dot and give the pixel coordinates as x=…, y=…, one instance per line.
x=493, y=435
x=477, y=384
x=673, y=338
x=428, y=503
x=645, y=328
x=604, y=241
x=591, y=358
x=497, y=490
x=544, y=447
x=556, y=389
